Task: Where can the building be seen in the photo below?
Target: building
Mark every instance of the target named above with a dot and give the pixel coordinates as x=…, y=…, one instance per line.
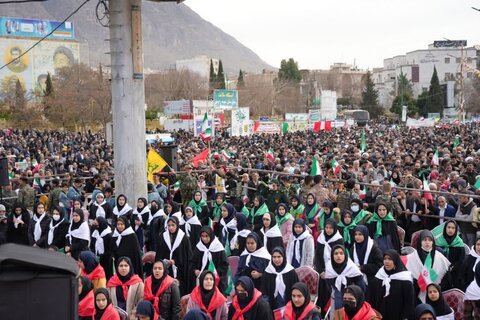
x=347, y=80
x=198, y=64
x=453, y=60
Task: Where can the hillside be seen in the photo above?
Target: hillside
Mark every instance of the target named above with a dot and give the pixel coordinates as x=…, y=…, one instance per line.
x=171, y=32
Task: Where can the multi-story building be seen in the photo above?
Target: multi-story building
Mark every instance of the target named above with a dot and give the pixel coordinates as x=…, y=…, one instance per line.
x=453, y=60
x=198, y=64
x=347, y=80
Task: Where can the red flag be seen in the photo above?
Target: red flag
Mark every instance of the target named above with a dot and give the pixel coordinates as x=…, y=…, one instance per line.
x=201, y=157
x=322, y=125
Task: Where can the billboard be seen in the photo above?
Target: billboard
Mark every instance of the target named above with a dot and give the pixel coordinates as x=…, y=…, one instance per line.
x=240, y=122
x=177, y=107
x=267, y=127
x=296, y=116
x=198, y=115
x=225, y=99
x=29, y=28
x=32, y=68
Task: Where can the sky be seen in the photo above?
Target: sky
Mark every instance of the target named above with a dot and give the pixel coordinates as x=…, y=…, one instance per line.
x=318, y=33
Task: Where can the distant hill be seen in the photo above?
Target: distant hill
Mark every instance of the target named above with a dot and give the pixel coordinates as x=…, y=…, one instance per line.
x=170, y=32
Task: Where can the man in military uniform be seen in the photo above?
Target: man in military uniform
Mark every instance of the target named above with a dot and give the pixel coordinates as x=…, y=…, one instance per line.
x=26, y=194
x=188, y=186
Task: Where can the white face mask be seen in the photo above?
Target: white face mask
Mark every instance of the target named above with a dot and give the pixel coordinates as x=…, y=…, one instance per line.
x=56, y=217
x=354, y=208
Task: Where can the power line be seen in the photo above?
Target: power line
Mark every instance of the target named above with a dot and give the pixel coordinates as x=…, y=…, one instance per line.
x=47, y=35
x=21, y=1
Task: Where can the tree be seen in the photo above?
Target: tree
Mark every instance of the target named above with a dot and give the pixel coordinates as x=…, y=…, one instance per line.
x=370, y=98
x=82, y=97
x=24, y=115
x=404, y=100
x=240, y=81
x=289, y=71
x=404, y=85
x=48, y=85
x=421, y=102
x=404, y=97
x=212, y=79
x=174, y=85
x=434, y=102
x=220, y=83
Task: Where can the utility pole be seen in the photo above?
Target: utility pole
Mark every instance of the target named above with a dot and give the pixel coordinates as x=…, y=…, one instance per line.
x=128, y=98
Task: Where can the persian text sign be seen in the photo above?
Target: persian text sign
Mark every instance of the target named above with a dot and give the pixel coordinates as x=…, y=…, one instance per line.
x=225, y=99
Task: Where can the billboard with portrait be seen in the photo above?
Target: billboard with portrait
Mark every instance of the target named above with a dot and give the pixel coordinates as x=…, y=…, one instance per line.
x=32, y=68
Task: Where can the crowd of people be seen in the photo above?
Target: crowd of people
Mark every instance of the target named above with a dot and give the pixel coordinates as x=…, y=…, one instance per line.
x=389, y=225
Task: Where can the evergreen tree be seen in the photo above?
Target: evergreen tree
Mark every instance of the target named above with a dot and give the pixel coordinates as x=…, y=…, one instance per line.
x=240, y=81
x=370, y=98
x=20, y=101
x=421, y=102
x=404, y=100
x=220, y=77
x=48, y=85
x=434, y=103
x=212, y=79
x=289, y=71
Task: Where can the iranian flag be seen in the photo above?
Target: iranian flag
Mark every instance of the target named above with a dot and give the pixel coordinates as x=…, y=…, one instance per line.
x=226, y=155
x=322, y=125
x=427, y=274
x=335, y=166
x=206, y=134
x=176, y=186
x=270, y=155
x=216, y=155
x=316, y=170
x=435, y=161
x=426, y=187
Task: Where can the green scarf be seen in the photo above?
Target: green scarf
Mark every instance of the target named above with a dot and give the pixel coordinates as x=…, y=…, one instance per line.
x=281, y=220
x=217, y=210
x=197, y=208
x=245, y=211
x=376, y=218
x=321, y=224
x=360, y=216
x=297, y=212
x=260, y=211
x=442, y=242
x=311, y=214
x=346, y=231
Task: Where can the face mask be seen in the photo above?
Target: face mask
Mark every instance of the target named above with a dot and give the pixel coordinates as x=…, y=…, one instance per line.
x=349, y=305
x=242, y=297
x=355, y=208
x=56, y=217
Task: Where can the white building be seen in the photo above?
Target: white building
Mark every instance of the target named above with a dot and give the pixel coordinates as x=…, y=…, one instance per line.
x=446, y=56
x=198, y=64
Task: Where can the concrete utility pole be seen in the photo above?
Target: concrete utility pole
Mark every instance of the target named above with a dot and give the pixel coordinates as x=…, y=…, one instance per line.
x=128, y=99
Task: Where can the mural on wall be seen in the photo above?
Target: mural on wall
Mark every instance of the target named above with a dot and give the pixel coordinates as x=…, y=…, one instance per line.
x=32, y=68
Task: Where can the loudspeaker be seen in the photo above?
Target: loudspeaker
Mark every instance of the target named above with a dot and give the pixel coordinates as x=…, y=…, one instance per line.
x=169, y=154
x=37, y=284
x=4, y=180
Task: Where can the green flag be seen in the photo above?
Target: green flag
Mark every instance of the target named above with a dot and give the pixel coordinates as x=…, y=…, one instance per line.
x=364, y=143
x=477, y=184
x=456, y=142
x=285, y=127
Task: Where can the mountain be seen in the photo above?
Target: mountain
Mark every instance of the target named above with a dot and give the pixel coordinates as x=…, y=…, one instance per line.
x=170, y=32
